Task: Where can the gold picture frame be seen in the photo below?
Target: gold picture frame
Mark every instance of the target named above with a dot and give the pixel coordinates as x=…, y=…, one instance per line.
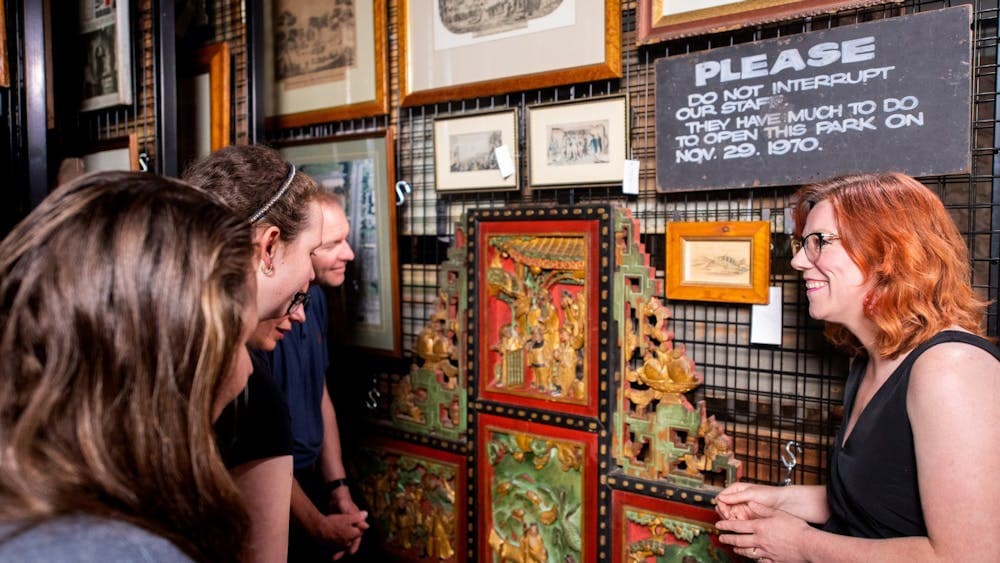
x=4, y=64
x=115, y=153
x=463, y=151
x=301, y=93
x=204, y=104
x=662, y=20
x=441, y=57
x=723, y=261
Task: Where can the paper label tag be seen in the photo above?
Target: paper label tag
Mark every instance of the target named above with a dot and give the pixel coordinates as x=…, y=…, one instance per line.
x=504, y=161
x=765, y=320
x=630, y=177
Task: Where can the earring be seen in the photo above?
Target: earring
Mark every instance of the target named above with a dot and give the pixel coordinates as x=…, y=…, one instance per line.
x=869, y=305
x=266, y=269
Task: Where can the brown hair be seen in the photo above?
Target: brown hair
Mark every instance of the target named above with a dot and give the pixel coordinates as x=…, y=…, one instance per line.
x=121, y=305
x=898, y=233
x=247, y=176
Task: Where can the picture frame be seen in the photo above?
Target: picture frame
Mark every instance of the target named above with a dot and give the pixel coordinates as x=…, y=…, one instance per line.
x=672, y=529
x=582, y=142
x=464, y=158
x=116, y=153
x=4, y=63
x=724, y=261
x=362, y=167
x=441, y=55
x=662, y=20
x=535, y=483
x=105, y=54
x=348, y=80
x=204, y=104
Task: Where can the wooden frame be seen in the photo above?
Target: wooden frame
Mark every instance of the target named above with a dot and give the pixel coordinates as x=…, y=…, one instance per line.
x=578, y=143
x=4, y=63
x=105, y=31
x=116, y=153
x=535, y=477
x=363, y=168
x=482, y=133
x=214, y=59
x=438, y=63
x=640, y=522
x=661, y=20
x=719, y=261
x=329, y=93
x=204, y=103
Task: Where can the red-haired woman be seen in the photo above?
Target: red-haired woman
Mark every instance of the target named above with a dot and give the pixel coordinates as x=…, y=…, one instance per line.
x=911, y=472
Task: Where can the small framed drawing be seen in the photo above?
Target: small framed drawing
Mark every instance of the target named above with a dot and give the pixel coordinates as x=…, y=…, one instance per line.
x=324, y=61
x=455, y=50
x=104, y=54
x=4, y=64
x=203, y=101
x=116, y=153
x=660, y=20
x=719, y=261
x=361, y=167
x=466, y=150
x=577, y=143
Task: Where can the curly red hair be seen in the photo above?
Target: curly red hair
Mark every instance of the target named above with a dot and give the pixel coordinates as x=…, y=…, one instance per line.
x=898, y=233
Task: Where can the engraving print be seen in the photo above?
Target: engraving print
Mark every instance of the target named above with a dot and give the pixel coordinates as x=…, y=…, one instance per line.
x=578, y=143
x=471, y=152
x=485, y=17
x=314, y=41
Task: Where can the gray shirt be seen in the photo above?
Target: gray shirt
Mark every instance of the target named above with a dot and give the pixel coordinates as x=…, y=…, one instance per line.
x=86, y=539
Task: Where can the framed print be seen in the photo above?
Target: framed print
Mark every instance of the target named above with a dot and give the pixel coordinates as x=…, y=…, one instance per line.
x=104, y=54
x=118, y=153
x=362, y=169
x=204, y=104
x=417, y=500
x=443, y=46
x=719, y=261
x=660, y=20
x=644, y=527
x=4, y=64
x=324, y=60
x=465, y=151
x=536, y=491
x=577, y=143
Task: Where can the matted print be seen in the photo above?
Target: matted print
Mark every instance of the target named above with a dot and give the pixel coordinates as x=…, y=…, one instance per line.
x=417, y=498
x=537, y=492
x=324, y=60
x=116, y=153
x=650, y=529
x=719, y=261
x=104, y=54
x=362, y=169
x=465, y=151
x=578, y=143
x=540, y=306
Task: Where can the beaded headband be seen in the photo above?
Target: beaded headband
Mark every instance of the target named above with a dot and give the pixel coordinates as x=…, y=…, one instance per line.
x=274, y=199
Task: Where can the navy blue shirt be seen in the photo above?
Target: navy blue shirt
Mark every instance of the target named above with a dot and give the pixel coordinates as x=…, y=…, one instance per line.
x=299, y=365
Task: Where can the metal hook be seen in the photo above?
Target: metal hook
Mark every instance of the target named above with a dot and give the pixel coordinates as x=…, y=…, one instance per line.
x=790, y=460
x=144, y=161
x=400, y=187
x=373, y=395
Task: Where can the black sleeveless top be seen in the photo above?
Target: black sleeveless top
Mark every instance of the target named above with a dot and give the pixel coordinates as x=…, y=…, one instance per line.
x=872, y=490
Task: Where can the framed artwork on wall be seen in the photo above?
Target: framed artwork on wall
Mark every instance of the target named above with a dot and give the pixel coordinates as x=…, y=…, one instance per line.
x=719, y=261
x=324, y=61
x=578, y=143
x=362, y=169
x=116, y=153
x=537, y=491
x=443, y=47
x=465, y=151
x=204, y=104
x=670, y=531
x=4, y=64
x=660, y=20
x=104, y=54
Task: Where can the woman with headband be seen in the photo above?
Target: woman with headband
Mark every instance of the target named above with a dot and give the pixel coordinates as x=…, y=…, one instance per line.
x=254, y=432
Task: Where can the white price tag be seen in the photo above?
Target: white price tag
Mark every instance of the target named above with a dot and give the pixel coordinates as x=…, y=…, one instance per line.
x=504, y=161
x=630, y=177
x=765, y=320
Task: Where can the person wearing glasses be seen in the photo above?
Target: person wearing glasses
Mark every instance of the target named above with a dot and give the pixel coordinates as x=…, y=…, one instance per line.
x=126, y=301
x=326, y=521
x=911, y=470
x=254, y=433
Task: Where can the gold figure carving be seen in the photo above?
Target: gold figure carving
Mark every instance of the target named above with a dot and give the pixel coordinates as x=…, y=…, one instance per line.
x=436, y=342
x=530, y=549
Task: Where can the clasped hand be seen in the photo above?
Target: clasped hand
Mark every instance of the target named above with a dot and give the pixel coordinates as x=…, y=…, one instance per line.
x=758, y=528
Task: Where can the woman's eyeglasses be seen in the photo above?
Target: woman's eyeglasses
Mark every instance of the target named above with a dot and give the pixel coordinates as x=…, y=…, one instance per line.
x=813, y=244
x=300, y=298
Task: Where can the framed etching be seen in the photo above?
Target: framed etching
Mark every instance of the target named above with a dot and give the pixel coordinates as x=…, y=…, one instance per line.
x=324, y=60
x=443, y=46
x=719, y=261
x=117, y=153
x=4, y=64
x=362, y=169
x=104, y=54
x=660, y=20
x=644, y=527
x=204, y=104
x=537, y=491
x=578, y=143
x=464, y=151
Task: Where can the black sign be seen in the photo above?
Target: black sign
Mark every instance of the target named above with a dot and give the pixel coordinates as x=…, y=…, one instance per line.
x=892, y=95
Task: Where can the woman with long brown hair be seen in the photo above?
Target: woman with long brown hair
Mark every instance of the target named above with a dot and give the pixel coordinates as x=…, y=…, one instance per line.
x=125, y=303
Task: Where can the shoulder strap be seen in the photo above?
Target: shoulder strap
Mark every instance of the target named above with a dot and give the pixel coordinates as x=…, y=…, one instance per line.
x=951, y=336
